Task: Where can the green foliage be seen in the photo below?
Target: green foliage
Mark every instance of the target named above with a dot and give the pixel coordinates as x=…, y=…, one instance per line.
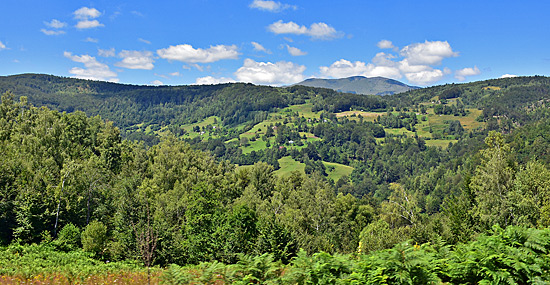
x=94, y=238
x=513, y=255
x=68, y=238
x=44, y=261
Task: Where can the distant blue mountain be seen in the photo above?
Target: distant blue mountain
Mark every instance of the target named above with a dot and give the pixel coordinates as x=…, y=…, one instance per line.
x=360, y=85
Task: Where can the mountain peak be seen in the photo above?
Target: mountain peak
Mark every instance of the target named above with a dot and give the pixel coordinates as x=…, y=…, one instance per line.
x=360, y=85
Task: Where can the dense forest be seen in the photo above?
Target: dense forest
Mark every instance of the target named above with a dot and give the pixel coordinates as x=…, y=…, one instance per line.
x=446, y=184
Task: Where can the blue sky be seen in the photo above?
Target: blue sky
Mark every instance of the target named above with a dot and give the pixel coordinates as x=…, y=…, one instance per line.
x=274, y=42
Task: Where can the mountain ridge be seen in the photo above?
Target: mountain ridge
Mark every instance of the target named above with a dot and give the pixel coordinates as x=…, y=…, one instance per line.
x=360, y=85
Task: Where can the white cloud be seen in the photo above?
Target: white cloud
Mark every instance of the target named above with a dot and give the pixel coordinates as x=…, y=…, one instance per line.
x=91, y=40
x=295, y=51
x=156, y=82
x=323, y=31
x=86, y=13
x=209, y=80
x=85, y=16
x=428, y=53
x=287, y=28
x=278, y=73
x=425, y=77
x=132, y=59
x=87, y=24
x=508, y=75
x=317, y=30
x=106, y=52
x=186, y=53
x=52, y=32
x=385, y=44
x=259, y=47
x=468, y=71
x=55, y=24
x=345, y=68
x=174, y=74
x=93, y=70
x=144, y=41
x=271, y=6
x=2, y=46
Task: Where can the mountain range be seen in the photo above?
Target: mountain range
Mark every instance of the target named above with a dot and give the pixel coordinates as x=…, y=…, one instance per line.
x=360, y=85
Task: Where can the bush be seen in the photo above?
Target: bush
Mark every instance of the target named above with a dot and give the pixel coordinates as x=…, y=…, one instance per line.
x=68, y=238
x=94, y=238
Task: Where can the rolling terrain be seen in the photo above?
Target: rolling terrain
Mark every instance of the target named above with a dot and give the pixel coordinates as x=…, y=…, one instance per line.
x=236, y=182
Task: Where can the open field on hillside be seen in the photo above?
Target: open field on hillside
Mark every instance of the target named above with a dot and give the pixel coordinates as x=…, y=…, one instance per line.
x=339, y=170
x=368, y=116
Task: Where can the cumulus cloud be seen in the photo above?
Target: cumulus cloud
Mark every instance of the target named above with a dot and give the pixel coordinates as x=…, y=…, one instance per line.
x=106, y=52
x=282, y=72
x=346, y=68
x=186, y=53
x=294, y=51
x=271, y=6
x=52, y=32
x=132, y=59
x=425, y=77
x=2, y=46
x=385, y=44
x=461, y=74
x=428, y=53
x=209, y=80
x=508, y=75
x=259, y=47
x=93, y=70
x=320, y=30
x=156, y=82
x=85, y=15
x=88, y=24
x=415, y=62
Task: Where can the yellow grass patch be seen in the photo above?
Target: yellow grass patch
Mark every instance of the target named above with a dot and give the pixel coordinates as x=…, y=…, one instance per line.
x=491, y=88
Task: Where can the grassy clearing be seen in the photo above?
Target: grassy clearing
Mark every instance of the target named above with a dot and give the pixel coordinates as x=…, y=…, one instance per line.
x=440, y=143
x=367, y=116
x=399, y=131
x=288, y=164
x=257, y=145
x=468, y=122
x=339, y=170
x=305, y=110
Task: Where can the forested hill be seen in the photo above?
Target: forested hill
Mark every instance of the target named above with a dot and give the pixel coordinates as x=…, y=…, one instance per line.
x=518, y=98
x=238, y=103
x=127, y=105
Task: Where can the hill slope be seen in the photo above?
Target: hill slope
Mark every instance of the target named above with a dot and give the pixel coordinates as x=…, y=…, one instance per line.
x=360, y=85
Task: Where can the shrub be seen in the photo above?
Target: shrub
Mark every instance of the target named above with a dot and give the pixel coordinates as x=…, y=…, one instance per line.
x=94, y=238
